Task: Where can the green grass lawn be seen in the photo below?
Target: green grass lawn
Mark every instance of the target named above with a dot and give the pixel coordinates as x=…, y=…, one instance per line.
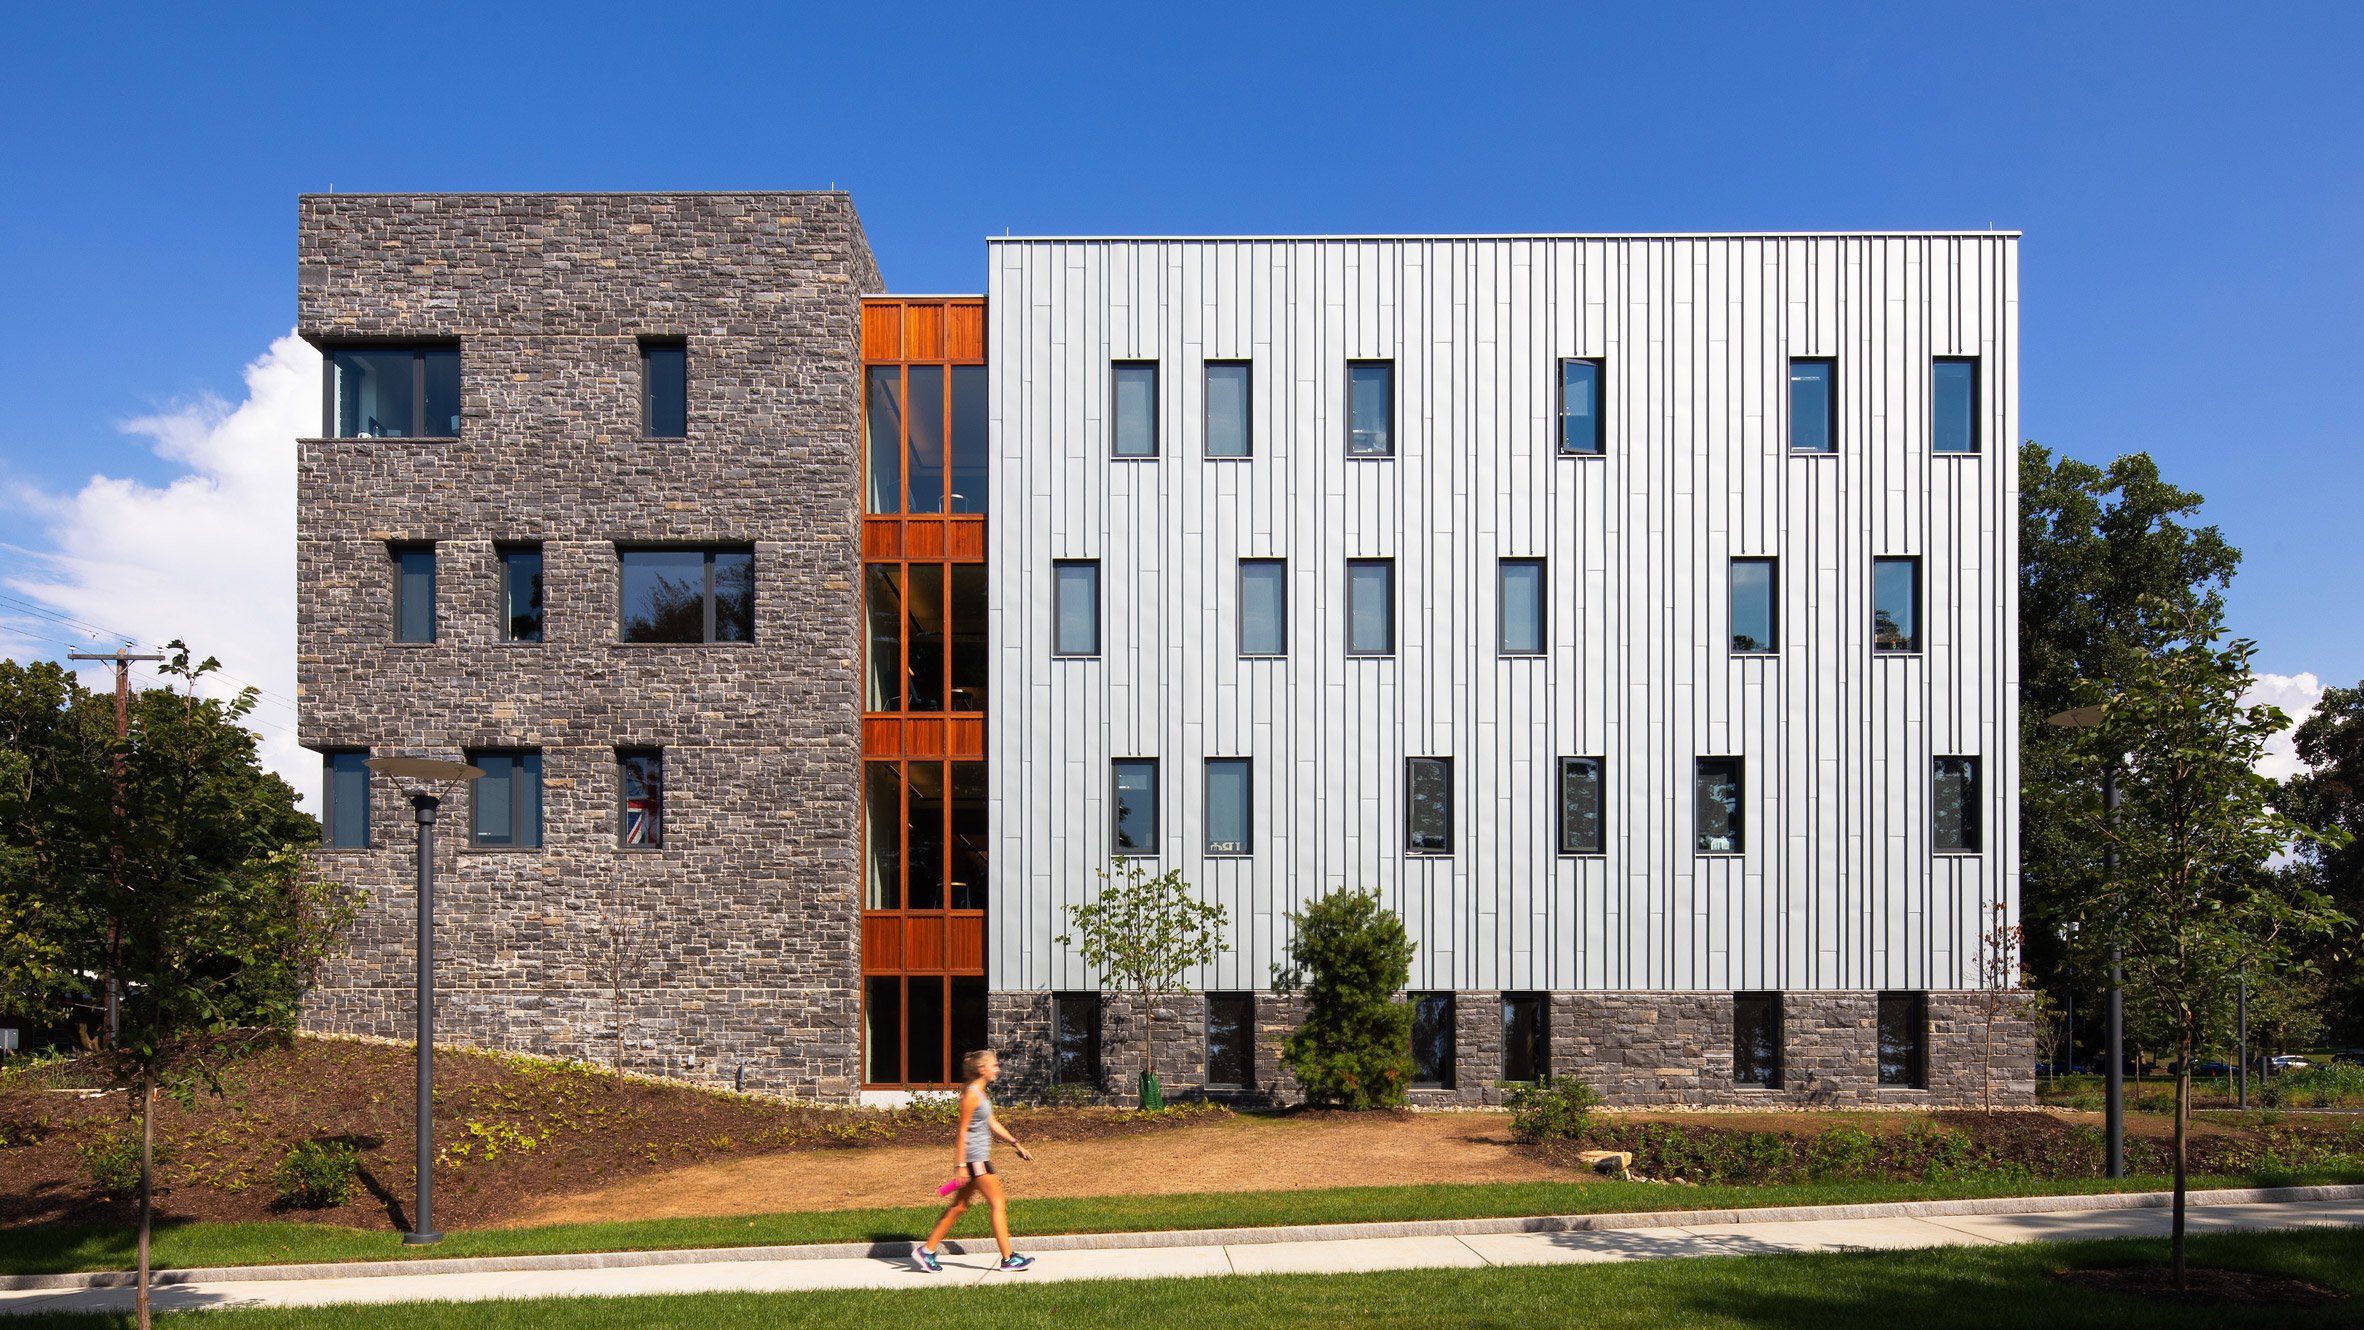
x=51, y=1248
x=1951, y=1287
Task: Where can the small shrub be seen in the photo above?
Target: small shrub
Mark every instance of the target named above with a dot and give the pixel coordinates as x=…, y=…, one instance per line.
x=112, y=1162
x=1551, y=1111
x=930, y=1110
x=1070, y=1094
x=1843, y=1154
x=1355, y=1048
x=316, y=1175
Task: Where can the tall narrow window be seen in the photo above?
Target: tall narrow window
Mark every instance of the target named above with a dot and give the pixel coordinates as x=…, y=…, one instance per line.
x=882, y=817
x=1428, y=805
x=1580, y=805
x=882, y=424
x=506, y=802
x=1904, y=1040
x=1756, y=1040
x=344, y=799
x=1136, y=408
x=1370, y=607
x=1583, y=427
x=1716, y=806
x=966, y=855
x=971, y=434
x=1229, y=433
x=1370, y=408
x=1263, y=607
x=1231, y=1041
x=640, y=792
x=882, y=1029
x=923, y=629
x=1134, y=815
x=923, y=836
x=924, y=460
x=1230, y=795
x=1954, y=806
x=1524, y=1030
x=686, y=595
x=393, y=392
x=1896, y=604
x=1075, y=1038
x=1520, y=601
x=924, y=1030
x=664, y=388
x=1075, y=591
x=521, y=593
x=1756, y=621
x=1813, y=406
x=882, y=604
x=965, y=608
x=1432, y=1041
x=1953, y=404
x=414, y=593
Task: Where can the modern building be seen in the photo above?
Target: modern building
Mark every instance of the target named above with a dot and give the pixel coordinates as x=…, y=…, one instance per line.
x=1634, y=614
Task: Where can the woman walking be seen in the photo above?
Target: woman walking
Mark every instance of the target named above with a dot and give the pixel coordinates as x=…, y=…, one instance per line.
x=973, y=1149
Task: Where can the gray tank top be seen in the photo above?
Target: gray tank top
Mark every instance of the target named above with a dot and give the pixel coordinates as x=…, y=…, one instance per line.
x=979, y=1146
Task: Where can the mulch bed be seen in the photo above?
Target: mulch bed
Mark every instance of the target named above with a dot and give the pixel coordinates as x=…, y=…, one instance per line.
x=2203, y=1287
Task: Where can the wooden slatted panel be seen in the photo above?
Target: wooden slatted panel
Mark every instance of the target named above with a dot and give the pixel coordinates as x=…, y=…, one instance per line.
x=964, y=540
x=964, y=944
x=923, y=332
x=882, y=736
x=882, y=943
x=882, y=330
x=923, y=538
x=965, y=737
x=926, y=942
x=964, y=330
x=882, y=538
x=923, y=736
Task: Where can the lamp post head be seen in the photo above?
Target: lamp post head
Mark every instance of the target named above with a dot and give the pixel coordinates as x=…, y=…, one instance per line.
x=2077, y=718
x=437, y=769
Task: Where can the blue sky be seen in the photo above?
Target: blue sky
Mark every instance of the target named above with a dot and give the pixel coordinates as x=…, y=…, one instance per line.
x=2190, y=180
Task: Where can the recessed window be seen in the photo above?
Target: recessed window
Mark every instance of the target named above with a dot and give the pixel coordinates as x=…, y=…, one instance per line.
x=344, y=799
x=1263, y=607
x=1370, y=408
x=1756, y=1040
x=1432, y=1041
x=1716, y=806
x=1581, y=826
x=1524, y=1031
x=1231, y=1041
x=1953, y=404
x=1133, y=817
x=1755, y=619
x=1136, y=408
x=1370, y=607
x=1904, y=1040
x=521, y=593
x=1520, y=597
x=1896, y=604
x=1584, y=430
x=640, y=791
x=924, y=459
x=394, y=392
x=1954, y=806
x=1075, y=1039
x=414, y=592
x=1813, y=406
x=1075, y=593
x=1230, y=799
x=882, y=428
x=506, y=802
x=687, y=595
x=971, y=432
x=1428, y=805
x=1229, y=396
x=664, y=388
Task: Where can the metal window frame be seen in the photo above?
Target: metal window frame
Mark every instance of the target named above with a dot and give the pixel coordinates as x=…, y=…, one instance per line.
x=1974, y=818
x=1247, y=413
x=418, y=382
x=1247, y=1034
x=1247, y=813
x=1780, y=1070
x=1366, y=362
x=1502, y=569
x=506, y=616
x=330, y=805
x=1600, y=793
x=1739, y=813
x=1789, y=400
x=1916, y=639
x=1772, y=602
x=516, y=799
x=1977, y=406
x=1386, y=567
x=1058, y=607
x=1116, y=369
x=1916, y=1006
x=395, y=549
x=1600, y=407
x=1281, y=566
x=712, y=609
x=1411, y=763
x=1099, y=1017
x=1157, y=794
x=623, y=814
x=1448, y=1080
x=648, y=399
x=1542, y=1004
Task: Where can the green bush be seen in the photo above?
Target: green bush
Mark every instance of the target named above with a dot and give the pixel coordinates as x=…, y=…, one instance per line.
x=1070, y=1094
x=112, y=1162
x=931, y=1110
x=316, y=1175
x=1843, y=1154
x=1352, y=956
x=1552, y=1111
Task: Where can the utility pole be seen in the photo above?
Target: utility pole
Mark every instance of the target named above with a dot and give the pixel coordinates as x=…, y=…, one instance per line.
x=122, y=657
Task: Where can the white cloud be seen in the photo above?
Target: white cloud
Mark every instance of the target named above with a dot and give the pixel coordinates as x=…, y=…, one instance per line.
x=208, y=558
x=2298, y=695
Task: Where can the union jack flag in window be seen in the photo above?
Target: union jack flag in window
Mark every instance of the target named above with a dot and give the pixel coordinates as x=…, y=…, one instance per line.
x=641, y=773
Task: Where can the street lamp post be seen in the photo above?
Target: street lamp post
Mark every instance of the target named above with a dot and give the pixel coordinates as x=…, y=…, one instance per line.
x=429, y=777
x=2114, y=1009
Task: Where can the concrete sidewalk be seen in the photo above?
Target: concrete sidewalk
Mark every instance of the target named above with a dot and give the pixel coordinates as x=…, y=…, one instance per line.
x=1467, y=1244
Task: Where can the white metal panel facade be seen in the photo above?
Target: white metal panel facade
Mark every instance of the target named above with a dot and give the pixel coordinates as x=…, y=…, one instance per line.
x=1839, y=887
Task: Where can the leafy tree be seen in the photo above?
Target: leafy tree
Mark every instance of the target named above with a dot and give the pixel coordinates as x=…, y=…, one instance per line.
x=2329, y=797
x=1351, y=956
x=2003, y=995
x=1143, y=934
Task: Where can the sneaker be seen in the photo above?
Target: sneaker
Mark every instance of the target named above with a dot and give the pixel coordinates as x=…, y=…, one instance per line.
x=927, y=1260
x=1015, y=1262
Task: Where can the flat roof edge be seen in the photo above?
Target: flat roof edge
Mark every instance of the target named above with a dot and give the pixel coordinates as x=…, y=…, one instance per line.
x=566, y=193
x=1515, y=235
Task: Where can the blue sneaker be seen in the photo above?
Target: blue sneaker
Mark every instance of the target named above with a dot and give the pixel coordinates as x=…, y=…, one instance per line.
x=927, y=1260
x=1015, y=1262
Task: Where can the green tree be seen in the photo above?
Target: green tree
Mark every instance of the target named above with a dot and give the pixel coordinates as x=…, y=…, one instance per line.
x=1144, y=935
x=1351, y=956
x=2329, y=797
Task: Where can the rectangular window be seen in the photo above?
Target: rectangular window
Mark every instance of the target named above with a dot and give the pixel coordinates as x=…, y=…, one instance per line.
x=1523, y=1034
x=344, y=799
x=1520, y=600
x=924, y=1030
x=1813, y=406
x=1954, y=806
x=1134, y=817
x=882, y=425
x=1584, y=430
x=1230, y=792
x=1716, y=805
x=971, y=432
x=923, y=451
x=1580, y=805
x=1896, y=604
x=1370, y=607
x=882, y=604
x=1432, y=1041
x=394, y=392
x=1075, y=1039
x=1370, y=408
x=923, y=629
x=687, y=595
x=923, y=836
x=1231, y=1041
x=965, y=608
x=882, y=1029
x=882, y=818
x=1263, y=607
x=414, y=593
x=640, y=788
x=1136, y=408
x=1075, y=593
x=664, y=388
x=968, y=851
x=1756, y=1040
x=1428, y=805
x=1229, y=433
x=506, y=802
x=1953, y=404
x=1756, y=620
x=1904, y=1040
x=521, y=593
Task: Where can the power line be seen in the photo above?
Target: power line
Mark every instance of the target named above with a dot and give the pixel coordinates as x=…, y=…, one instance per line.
x=95, y=631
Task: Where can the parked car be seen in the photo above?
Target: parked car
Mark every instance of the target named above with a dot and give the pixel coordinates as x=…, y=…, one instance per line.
x=2061, y=1069
x=2212, y=1068
x=2288, y=1062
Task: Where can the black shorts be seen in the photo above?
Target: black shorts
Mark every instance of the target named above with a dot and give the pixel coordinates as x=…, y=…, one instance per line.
x=981, y=1169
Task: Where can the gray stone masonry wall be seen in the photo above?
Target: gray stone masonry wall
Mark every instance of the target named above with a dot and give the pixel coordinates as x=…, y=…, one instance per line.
x=734, y=946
